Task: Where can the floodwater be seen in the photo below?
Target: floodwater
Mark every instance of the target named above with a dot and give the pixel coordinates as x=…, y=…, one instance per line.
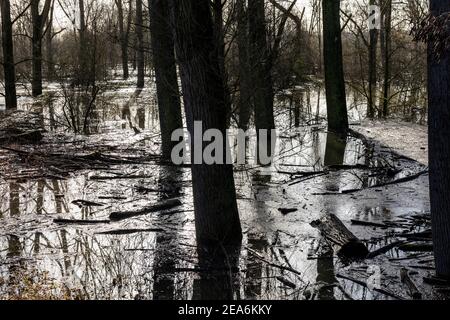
x=155, y=256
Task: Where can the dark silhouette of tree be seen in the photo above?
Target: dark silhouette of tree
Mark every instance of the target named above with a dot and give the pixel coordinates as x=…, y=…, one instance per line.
x=373, y=37
x=260, y=66
x=439, y=142
x=334, y=70
x=39, y=20
x=244, y=103
x=169, y=105
x=8, y=56
x=140, y=62
x=386, y=55
x=216, y=212
x=124, y=34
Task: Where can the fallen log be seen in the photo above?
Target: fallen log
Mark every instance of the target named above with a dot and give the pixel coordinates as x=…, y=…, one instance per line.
x=346, y=244
x=384, y=249
x=364, y=284
x=416, y=247
x=368, y=224
x=160, y=206
x=406, y=279
x=74, y=221
x=129, y=231
x=285, y=211
x=397, y=181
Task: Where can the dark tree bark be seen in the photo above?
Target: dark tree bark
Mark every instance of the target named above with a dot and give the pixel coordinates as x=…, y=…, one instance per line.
x=439, y=147
x=386, y=55
x=216, y=213
x=260, y=66
x=168, y=94
x=8, y=56
x=49, y=47
x=140, y=62
x=261, y=70
x=217, y=6
x=244, y=103
x=334, y=70
x=373, y=34
x=38, y=21
x=124, y=31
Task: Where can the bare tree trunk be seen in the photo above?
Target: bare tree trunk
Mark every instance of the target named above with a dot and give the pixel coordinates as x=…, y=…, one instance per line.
x=373, y=33
x=38, y=21
x=387, y=56
x=439, y=147
x=334, y=70
x=261, y=69
x=168, y=94
x=83, y=74
x=244, y=65
x=8, y=56
x=49, y=47
x=140, y=45
x=220, y=46
x=124, y=36
x=216, y=212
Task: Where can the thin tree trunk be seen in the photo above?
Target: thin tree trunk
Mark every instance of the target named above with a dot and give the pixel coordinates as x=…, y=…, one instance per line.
x=49, y=48
x=439, y=147
x=140, y=45
x=8, y=56
x=334, y=70
x=123, y=37
x=244, y=66
x=216, y=212
x=220, y=46
x=373, y=33
x=387, y=57
x=168, y=94
x=83, y=74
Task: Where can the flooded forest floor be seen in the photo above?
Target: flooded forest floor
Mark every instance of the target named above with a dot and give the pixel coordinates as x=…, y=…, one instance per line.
x=59, y=238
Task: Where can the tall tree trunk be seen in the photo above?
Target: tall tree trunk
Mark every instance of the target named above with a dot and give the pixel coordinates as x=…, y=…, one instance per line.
x=8, y=56
x=83, y=74
x=334, y=70
x=387, y=56
x=244, y=104
x=373, y=34
x=220, y=46
x=38, y=22
x=124, y=36
x=261, y=69
x=49, y=48
x=439, y=147
x=140, y=45
x=167, y=90
x=216, y=212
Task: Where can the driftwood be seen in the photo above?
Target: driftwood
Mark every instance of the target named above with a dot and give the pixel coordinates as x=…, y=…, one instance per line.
x=406, y=279
x=416, y=247
x=397, y=181
x=384, y=249
x=129, y=231
x=364, y=284
x=163, y=205
x=368, y=224
x=346, y=244
x=74, y=221
x=85, y=203
x=286, y=211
